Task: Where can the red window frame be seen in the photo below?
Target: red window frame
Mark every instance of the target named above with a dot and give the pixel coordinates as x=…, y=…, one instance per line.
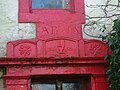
x=27, y=14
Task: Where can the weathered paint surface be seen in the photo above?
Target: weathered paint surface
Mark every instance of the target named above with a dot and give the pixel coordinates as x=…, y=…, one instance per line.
x=11, y=30
x=60, y=41
x=54, y=39
x=20, y=76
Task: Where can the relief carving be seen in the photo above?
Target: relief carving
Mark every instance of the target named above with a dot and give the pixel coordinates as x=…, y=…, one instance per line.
x=61, y=48
x=47, y=30
x=25, y=50
x=95, y=49
x=67, y=29
x=75, y=29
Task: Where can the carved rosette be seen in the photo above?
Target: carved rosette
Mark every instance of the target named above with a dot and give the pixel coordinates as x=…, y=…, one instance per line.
x=95, y=49
x=25, y=50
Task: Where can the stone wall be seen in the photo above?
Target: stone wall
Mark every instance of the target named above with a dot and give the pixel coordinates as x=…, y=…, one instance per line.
x=9, y=27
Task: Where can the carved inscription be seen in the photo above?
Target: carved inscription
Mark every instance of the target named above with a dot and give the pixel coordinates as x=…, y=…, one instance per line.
x=25, y=50
x=59, y=30
x=48, y=30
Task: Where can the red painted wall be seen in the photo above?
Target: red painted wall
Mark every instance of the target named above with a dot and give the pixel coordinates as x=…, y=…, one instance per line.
x=58, y=48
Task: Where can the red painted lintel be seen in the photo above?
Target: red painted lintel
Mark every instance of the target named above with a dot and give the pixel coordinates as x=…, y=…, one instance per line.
x=51, y=61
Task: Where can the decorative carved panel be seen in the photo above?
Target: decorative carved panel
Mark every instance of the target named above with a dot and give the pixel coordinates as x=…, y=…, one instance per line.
x=21, y=48
x=61, y=48
x=58, y=35
x=95, y=48
x=25, y=50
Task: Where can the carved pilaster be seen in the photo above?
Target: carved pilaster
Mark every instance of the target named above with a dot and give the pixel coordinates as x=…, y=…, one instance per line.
x=16, y=82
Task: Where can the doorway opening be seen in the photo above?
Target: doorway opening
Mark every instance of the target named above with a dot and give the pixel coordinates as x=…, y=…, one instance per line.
x=60, y=82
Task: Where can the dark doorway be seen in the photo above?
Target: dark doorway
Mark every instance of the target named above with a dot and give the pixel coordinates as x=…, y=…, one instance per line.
x=60, y=82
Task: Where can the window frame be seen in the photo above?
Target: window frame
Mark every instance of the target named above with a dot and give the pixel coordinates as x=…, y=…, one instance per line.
x=27, y=14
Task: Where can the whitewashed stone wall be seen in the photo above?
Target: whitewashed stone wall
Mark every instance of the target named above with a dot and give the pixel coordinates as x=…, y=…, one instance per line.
x=100, y=15
x=9, y=27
